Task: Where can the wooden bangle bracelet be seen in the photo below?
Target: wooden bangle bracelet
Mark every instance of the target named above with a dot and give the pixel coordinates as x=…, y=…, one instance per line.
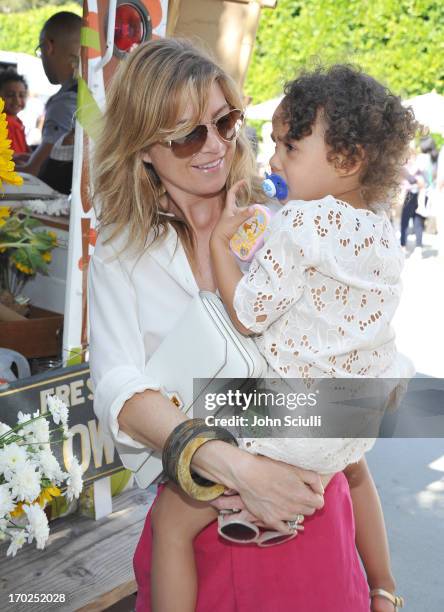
x=178, y=453
x=185, y=478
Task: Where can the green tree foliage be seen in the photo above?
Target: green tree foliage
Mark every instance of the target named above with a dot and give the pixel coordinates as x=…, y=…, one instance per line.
x=400, y=42
x=14, y=6
x=20, y=31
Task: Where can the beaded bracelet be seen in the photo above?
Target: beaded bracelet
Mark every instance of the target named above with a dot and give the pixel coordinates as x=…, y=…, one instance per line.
x=178, y=453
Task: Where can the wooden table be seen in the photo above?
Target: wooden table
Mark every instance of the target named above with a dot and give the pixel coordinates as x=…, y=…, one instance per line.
x=89, y=561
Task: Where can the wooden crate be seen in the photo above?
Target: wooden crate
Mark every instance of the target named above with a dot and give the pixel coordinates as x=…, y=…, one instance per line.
x=36, y=336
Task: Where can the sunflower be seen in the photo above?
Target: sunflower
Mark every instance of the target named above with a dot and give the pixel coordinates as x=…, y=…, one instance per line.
x=46, y=495
x=7, y=174
x=4, y=214
x=18, y=510
x=22, y=263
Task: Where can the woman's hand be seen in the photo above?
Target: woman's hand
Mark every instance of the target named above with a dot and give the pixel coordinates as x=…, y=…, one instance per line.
x=233, y=501
x=274, y=492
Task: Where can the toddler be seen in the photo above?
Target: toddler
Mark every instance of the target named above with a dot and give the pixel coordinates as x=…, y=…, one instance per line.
x=14, y=91
x=321, y=293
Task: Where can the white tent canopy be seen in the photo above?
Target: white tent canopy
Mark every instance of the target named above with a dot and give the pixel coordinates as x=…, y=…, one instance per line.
x=264, y=110
x=429, y=110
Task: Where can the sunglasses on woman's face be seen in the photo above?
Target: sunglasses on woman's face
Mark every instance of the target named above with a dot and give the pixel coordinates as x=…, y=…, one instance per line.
x=227, y=128
x=233, y=526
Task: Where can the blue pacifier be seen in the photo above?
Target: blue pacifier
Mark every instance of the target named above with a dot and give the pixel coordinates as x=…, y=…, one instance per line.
x=274, y=186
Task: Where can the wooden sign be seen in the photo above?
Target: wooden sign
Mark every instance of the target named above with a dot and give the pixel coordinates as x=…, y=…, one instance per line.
x=95, y=451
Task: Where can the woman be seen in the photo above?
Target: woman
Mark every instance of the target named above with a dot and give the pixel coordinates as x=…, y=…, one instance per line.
x=161, y=195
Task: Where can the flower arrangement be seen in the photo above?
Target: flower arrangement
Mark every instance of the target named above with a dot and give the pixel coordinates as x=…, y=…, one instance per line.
x=7, y=165
x=24, y=249
x=30, y=475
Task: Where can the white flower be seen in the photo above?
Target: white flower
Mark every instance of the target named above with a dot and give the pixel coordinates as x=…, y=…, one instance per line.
x=7, y=504
x=50, y=467
x=38, y=525
x=37, y=206
x=25, y=484
x=36, y=432
x=23, y=417
x=12, y=459
x=41, y=431
x=58, y=410
x=18, y=538
x=74, y=481
x=3, y=528
x=4, y=428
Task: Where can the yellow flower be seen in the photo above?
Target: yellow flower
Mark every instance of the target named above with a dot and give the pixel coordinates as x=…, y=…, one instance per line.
x=47, y=494
x=18, y=511
x=7, y=174
x=5, y=211
x=23, y=268
x=46, y=256
x=44, y=498
x=53, y=235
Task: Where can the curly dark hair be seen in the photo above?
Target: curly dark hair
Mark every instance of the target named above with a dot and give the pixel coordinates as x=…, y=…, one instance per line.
x=11, y=76
x=363, y=120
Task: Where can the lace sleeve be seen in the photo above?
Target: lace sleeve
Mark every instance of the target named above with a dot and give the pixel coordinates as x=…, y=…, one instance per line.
x=275, y=279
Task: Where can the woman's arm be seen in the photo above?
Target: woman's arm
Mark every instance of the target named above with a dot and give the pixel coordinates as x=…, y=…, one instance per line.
x=371, y=535
x=272, y=491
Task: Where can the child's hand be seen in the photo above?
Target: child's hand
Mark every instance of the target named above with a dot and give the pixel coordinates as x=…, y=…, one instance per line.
x=231, y=218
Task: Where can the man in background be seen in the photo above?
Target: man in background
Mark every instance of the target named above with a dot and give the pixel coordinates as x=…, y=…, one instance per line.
x=59, y=48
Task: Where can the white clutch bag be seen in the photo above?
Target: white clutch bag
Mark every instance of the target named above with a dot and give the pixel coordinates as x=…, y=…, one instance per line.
x=204, y=344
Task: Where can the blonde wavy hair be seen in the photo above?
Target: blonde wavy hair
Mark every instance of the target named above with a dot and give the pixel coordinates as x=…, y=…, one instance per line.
x=149, y=91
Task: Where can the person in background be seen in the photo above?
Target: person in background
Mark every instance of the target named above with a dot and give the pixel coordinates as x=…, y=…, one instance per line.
x=420, y=179
x=59, y=48
x=439, y=210
x=14, y=91
x=57, y=170
x=413, y=182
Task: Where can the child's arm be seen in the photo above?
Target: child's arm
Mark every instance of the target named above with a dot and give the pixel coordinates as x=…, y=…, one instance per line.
x=275, y=280
x=371, y=535
x=225, y=267
x=227, y=275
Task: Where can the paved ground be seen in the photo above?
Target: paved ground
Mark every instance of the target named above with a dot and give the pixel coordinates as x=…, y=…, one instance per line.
x=409, y=476
x=419, y=322
x=409, y=473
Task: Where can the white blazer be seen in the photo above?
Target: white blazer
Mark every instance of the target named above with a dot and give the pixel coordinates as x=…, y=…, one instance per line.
x=134, y=302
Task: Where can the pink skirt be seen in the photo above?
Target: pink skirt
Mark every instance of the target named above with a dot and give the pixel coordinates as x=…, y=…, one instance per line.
x=319, y=571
